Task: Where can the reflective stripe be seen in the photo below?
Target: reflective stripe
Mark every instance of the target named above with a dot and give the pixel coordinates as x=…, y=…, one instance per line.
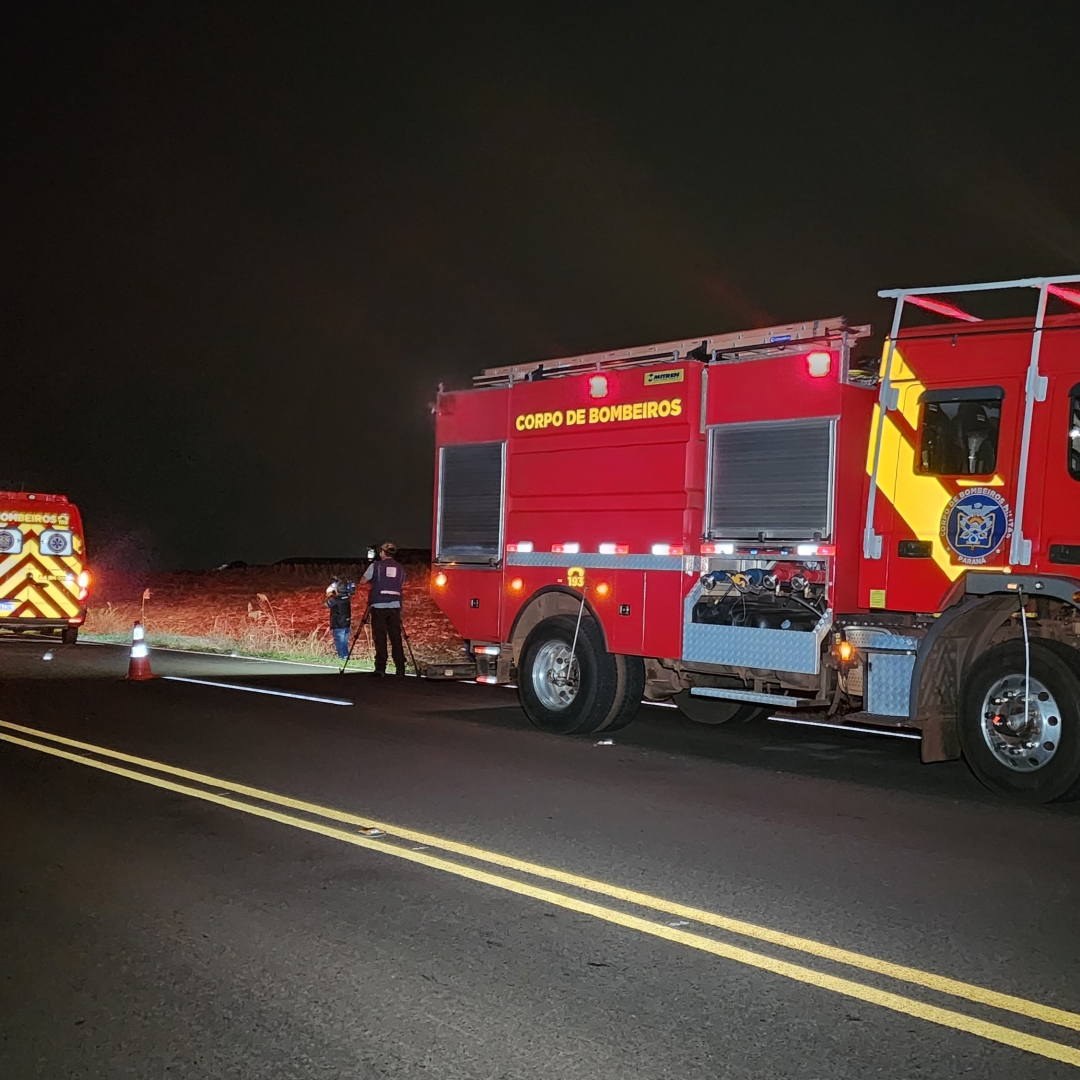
x=596, y=562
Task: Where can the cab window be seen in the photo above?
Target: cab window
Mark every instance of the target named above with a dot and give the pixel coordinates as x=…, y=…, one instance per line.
x=959, y=431
x=1074, y=432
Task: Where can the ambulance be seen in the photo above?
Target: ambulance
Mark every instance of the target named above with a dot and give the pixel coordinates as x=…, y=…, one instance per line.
x=44, y=582
x=768, y=522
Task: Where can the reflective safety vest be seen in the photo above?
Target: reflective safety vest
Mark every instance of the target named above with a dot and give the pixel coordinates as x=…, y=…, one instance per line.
x=387, y=581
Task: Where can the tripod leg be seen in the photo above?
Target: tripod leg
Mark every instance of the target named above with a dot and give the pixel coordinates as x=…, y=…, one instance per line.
x=408, y=644
x=353, y=645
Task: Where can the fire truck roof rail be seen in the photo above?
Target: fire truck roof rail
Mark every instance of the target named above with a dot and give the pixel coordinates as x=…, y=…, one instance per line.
x=763, y=341
x=986, y=286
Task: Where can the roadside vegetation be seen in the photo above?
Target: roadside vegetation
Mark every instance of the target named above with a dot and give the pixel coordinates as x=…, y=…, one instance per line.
x=273, y=612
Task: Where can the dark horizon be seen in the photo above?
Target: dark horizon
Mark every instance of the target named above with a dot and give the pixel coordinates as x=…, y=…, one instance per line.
x=245, y=245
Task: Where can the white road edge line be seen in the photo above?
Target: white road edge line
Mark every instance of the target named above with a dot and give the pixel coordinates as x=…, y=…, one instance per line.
x=845, y=727
x=258, y=690
x=218, y=655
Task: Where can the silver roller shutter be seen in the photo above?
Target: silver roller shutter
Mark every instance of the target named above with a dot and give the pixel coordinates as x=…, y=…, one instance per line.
x=470, y=502
x=771, y=480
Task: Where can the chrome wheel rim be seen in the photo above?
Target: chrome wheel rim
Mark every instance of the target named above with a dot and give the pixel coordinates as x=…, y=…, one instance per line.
x=1023, y=735
x=554, y=677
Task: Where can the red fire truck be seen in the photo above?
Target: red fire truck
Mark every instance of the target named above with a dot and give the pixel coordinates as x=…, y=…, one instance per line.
x=752, y=522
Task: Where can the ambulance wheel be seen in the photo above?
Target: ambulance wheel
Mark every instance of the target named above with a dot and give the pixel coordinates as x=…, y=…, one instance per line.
x=69, y=635
x=578, y=697
x=703, y=710
x=1026, y=750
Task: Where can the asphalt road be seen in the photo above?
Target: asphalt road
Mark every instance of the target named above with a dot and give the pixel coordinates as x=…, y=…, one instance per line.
x=188, y=891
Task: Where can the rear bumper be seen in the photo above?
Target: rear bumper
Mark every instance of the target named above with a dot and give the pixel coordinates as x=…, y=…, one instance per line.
x=41, y=624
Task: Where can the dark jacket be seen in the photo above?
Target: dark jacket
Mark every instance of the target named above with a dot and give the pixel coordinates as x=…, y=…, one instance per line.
x=340, y=612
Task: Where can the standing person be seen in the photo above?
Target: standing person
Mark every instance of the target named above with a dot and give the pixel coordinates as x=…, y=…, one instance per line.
x=340, y=605
x=387, y=577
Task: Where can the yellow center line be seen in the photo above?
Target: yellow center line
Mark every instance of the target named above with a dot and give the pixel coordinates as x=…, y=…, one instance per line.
x=895, y=1002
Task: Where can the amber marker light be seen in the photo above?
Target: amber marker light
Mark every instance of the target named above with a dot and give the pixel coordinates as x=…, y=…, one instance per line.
x=602, y=589
x=516, y=584
x=440, y=580
x=846, y=651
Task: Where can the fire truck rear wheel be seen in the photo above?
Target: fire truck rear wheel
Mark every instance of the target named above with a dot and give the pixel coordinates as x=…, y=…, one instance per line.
x=69, y=635
x=1026, y=750
x=703, y=710
x=567, y=696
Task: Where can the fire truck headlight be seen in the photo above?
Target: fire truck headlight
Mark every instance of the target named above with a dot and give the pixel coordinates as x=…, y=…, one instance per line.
x=516, y=584
x=819, y=364
x=440, y=580
x=602, y=589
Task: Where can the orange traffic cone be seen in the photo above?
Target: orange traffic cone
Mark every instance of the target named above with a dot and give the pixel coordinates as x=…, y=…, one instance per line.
x=139, y=664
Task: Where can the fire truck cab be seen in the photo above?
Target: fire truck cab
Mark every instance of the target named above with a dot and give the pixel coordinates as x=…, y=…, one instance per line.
x=44, y=582
x=753, y=522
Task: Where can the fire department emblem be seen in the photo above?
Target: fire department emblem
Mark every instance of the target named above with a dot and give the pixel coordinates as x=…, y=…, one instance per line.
x=975, y=524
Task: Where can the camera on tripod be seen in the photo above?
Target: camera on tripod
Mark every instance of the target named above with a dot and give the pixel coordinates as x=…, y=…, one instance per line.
x=343, y=587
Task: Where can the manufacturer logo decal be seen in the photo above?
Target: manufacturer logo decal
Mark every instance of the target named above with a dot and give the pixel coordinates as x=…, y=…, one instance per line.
x=654, y=377
x=975, y=524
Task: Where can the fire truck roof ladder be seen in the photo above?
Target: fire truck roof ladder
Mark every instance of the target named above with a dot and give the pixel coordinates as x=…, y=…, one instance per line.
x=761, y=342
x=1034, y=390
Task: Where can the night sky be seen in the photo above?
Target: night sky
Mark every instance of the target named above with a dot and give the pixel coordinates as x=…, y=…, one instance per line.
x=244, y=243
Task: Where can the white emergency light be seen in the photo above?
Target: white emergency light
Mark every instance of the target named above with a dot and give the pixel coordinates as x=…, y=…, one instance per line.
x=667, y=549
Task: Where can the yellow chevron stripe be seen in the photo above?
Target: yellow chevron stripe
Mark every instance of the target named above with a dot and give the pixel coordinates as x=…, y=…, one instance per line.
x=55, y=597
x=918, y=498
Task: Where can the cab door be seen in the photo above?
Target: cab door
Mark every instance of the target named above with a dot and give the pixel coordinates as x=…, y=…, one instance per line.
x=954, y=487
x=1052, y=512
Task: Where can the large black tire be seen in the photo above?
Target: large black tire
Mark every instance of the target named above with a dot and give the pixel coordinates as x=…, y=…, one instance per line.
x=69, y=635
x=1057, y=776
x=608, y=689
x=630, y=687
x=704, y=710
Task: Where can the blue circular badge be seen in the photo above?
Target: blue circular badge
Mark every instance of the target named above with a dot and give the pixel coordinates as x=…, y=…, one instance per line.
x=975, y=524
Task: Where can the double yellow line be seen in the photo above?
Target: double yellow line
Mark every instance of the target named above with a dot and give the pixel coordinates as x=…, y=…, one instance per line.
x=317, y=819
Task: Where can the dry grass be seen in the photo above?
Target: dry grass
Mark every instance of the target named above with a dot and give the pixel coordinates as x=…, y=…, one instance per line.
x=259, y=611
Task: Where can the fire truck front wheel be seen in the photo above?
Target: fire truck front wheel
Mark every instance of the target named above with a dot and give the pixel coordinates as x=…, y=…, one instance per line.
x=1020, y=731
x=574, y=687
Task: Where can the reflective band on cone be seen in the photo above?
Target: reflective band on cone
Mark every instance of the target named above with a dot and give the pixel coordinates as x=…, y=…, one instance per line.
x=139, y=664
